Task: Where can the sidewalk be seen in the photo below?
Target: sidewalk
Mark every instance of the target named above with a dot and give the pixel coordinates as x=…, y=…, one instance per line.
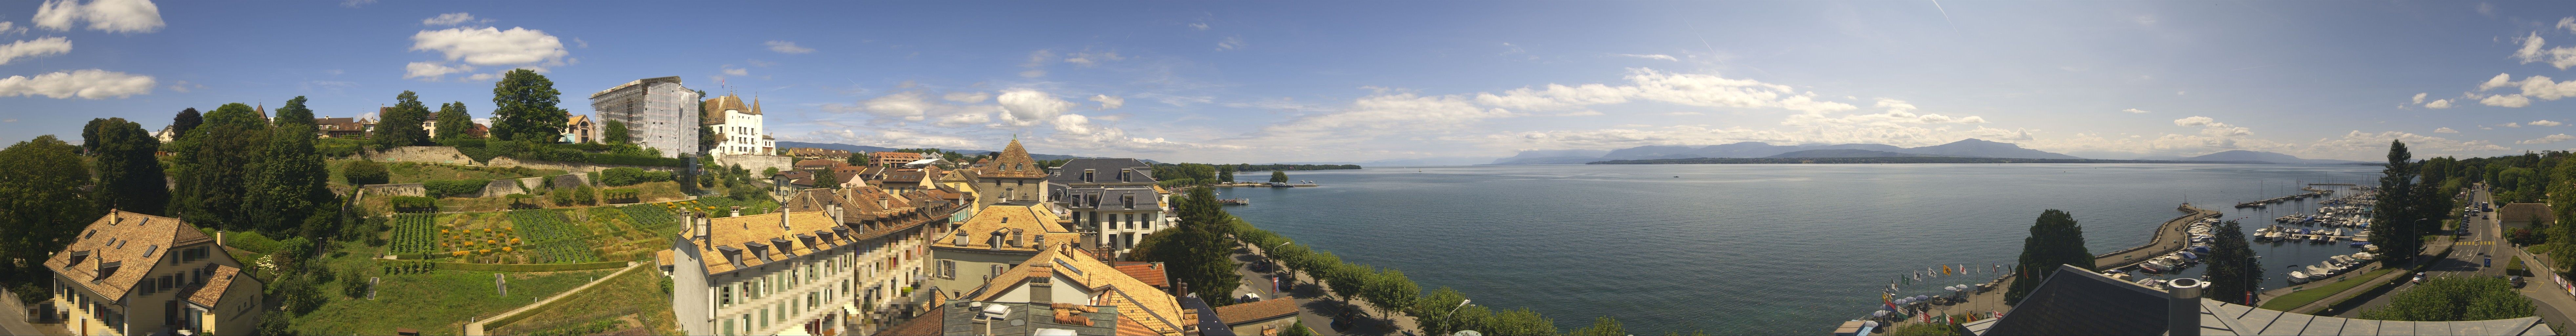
x=15, y=322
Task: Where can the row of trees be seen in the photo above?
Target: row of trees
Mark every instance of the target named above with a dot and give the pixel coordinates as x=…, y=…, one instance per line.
x=1199, y=253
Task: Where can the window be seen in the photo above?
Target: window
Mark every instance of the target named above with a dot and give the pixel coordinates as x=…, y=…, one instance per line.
x=724, y=296
x=948, y=269
x=997, y=270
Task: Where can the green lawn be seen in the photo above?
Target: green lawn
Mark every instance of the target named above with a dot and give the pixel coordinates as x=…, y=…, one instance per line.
x=631, y=300
x=2301, y=298
x=436, y=303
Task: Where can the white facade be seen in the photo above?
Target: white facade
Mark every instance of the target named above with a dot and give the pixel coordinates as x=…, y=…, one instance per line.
x=655, y=112
x=739, y=125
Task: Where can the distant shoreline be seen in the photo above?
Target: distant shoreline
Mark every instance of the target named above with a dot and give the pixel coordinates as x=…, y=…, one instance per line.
x=1860, y=160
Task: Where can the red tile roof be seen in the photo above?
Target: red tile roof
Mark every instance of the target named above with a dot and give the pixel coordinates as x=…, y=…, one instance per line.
x=1152, y=273
x=1256, y=311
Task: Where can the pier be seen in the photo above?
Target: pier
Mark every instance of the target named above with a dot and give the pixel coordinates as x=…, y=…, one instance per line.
x=2169, y=237
x=2311, y=193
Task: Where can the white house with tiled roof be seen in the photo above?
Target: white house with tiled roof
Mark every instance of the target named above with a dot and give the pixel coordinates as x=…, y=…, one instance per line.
x=137, y=274
x=1063, y=274
x=769, y=274
x=739, y=125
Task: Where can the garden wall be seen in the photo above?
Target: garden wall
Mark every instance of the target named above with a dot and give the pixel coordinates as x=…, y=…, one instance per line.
x=500, y=187
x=400, y=189
x=573, y=167
x=757, y=163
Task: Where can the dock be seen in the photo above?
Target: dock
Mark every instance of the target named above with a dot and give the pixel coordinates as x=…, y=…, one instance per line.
x=2311, y=193
x=1234, y=201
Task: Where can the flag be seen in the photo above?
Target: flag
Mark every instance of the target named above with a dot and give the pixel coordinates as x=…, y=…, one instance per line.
x=1945, y=269
x=1891, y=305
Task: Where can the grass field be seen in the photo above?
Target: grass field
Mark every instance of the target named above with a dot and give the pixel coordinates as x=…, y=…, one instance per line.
x=628, y=301
x=2301, y=298
x=436, y=303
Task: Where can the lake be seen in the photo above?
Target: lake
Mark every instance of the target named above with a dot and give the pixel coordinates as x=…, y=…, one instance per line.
x=1744, y=249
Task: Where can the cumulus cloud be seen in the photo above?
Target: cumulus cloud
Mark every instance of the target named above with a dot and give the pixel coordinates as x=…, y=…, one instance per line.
x=2419, y=98
x=2534, y=50
x=2133, y=110
x=1677, y=88
x=2438, y=104
x=34, y=48
x=2547, y=139
x=115, y=16
x=2512, y=125
x=787, y=47
x=1230, y=43
x=2213, y=128
x=1023, y=107
x=515, y=48
x=11, y=28
x=356, y=3
x=1089, y=59
x=908, y=106
x=2545, y=122
x=2512, y=100
x=451, y=19
x=2360, y=145
x=1650, y=56
x=2445, y=130
x=86, y=84
x=730, y=70
x=967, y=97
x=1108, y=102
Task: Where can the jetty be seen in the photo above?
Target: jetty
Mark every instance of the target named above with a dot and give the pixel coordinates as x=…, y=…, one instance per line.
x=2311, y=193
x=1234, y=201
x=2170, y=237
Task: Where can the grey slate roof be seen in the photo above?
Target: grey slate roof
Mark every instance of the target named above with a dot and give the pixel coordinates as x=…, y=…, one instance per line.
x=1109, y=198
x=1023, y=319
x=1103, y=171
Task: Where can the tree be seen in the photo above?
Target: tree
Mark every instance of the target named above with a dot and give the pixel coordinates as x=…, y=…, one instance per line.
x=1298, y=329
x=43, y=178
x=523, y=108
x=290, y=184
x=1278, y=176
x=186, y=120
x=1225, y=174
x=129, y=176
x=2234, y=274
x=2055, y=239
x=294, y=113
x=2398, y=209
x=1604, y=326
x=1390, y=291
x=1317, y=264
x=2454, y=298
x=453, y=121
x=89, y=135
x=707, y=138
x=614, y=133
x=214, y=172
x=364, y=172
x=1347, y=281
x=400, y=125
x=1521, y=321
x=1432, y=311
x=826, y=179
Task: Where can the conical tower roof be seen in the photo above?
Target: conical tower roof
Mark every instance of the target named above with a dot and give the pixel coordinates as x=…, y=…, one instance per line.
x=1014, y=163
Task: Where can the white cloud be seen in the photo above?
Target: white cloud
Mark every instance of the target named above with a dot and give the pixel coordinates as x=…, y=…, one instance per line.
x=11, y=28
x=115, y=16
x=1089, y=59
x=451, y=19
x=2511, y=100
x=730, y=70
x=2548, y=139
x=1230, y=43
x=1650, y=56
x=356, y=3
x=1025, y=107
x=2375, y=145
x=1199, y=26
x=2419, y=98
x=2533, y=51
x=967, y=97
x=432, y=70
x=2512, y=125
x=1682, y=113
x=86, y=84
x=1037, y=59
x=1898, y=112
x=518, y=48
x=2133, y=110
x=2438, y=104
x=35, y=48
x=2445, y=130
x=1677, y=88
x=2500, y=80
x=2545, y=122
x=908, y=106
x=2213, y=128
x=1108, y=102
x=185, y=86
x=787, y=47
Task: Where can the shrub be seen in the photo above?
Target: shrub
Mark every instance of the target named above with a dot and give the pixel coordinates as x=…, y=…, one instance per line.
x=585, y=195
x=363, y=172
x=449, y=188
x=626, y=176
x=414, y=204
x=251, y=242
x=337, y=147
x=563, y=197
x=524, y=201
x=621, y=195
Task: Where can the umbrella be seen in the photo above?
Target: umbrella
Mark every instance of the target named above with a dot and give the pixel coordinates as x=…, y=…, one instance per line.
x=1951, y=288
x=1881, y=313
x=1904, y=300
x=1922, y=297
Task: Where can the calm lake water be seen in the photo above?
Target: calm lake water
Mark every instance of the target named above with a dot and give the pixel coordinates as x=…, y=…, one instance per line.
x=1743, y=249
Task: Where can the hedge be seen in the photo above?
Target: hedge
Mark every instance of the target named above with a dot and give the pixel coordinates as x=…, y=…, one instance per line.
x=252, y=242
x=626, y=176
x=337, y=147
x=414, y=204
x=364, y=172
x=447, y=188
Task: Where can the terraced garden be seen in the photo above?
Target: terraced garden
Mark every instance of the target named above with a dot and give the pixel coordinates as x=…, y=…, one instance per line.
x=415, y=233
x=561, y=251
x=650, y=217
x=543, y=226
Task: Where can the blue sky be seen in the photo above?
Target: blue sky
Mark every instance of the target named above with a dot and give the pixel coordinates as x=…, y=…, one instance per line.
x=1362, y=81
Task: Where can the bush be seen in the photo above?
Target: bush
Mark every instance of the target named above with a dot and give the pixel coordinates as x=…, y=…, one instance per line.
x=450, y=188
x=627, y=176
x=337, y=147
x=585, y=195
x=2454, y=298
x=363, y=172
x=562, y=197
x=524, y=201
x=621, y=195
x=251, y=242
x=414, y=204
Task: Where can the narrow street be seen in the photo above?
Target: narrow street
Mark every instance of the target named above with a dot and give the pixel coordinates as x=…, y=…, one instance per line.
x=1315, y=306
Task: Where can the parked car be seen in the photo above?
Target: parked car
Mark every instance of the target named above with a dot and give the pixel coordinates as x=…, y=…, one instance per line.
x=2419, y=278
x=2515, y=279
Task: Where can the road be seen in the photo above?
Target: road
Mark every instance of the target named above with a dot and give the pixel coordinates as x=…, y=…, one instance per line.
x=15, y=321
x=2485, y=239
x=1314, y=307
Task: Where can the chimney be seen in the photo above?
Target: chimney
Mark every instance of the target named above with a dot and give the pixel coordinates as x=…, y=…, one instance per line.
x=782, y=217
x=737, y=212
x=2182, y=312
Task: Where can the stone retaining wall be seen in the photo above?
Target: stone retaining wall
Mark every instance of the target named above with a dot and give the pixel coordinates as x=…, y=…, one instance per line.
x=402, y=189
x=573, y=167
x=757, y=163
x=427, y=154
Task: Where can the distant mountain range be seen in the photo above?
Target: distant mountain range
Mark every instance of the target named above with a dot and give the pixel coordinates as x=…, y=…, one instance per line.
x=1749, y=149
x=862, y=149
x=2246, y=155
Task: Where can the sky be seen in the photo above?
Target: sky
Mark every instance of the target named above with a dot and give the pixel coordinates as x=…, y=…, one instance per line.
x=1257, y=82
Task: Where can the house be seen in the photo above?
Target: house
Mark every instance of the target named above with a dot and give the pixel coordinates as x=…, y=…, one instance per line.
x=1012, y=177
x=652, y=110
x=892, y=159
x=135, y=274
x=817, y=164
x=1062, y=275
x=788, y=181
x=2075, y=301
x=339, y=127
x=1080, y=173
x=740, y=126
x=786, y=272
x=580, y=129
x=996, y=239
x=1116, y=217
x=1151, y=272
x=1267, y=317
x=2524, y=215
x=891, y=236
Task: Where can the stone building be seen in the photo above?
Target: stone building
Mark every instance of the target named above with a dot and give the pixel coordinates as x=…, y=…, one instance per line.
x=137, y=274
x=739, y=125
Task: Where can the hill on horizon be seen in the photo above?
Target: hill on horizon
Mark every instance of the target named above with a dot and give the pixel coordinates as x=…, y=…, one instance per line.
x=2246, y=155
x=1963, y=148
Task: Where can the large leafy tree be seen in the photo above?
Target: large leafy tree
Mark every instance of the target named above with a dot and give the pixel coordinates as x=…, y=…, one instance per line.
x=2234, y=274
x=185, y=121
x=214, y=171
x=294, y=113
x=289, y=185
x=1278, y=176
x=44, y=209
x=2055, y=239
x=1391, y=291
x=2454, y=298
x=523, y=108
x=129, y=176
x=453, y=121
x=615, y=133
x=1197, y=250
x=89, y=135
x=400, y=125
x=707, y=138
